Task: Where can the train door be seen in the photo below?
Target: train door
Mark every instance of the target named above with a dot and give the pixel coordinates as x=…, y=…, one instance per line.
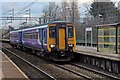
x=61, y=38
x=40, y=37
x=44, y=38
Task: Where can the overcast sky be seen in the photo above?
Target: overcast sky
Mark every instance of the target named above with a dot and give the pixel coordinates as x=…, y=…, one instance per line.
x=36, y=8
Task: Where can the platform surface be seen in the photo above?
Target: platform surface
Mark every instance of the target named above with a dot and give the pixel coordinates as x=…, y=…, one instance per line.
x=92, y=51
x=9, y=70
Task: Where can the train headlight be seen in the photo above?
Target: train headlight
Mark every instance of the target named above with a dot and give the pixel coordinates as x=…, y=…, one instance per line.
x=70, y=45
x=52, y=45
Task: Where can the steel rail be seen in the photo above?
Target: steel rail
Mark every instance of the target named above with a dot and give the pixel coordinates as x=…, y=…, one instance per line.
x=74, y=72
x=96, y=71
x=51, y=77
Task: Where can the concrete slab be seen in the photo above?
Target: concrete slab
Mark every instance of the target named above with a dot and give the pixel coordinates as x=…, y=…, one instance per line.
x=9, y=69
x=92, y=51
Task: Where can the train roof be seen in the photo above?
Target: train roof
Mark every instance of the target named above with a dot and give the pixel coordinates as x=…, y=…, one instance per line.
x=54, y=22
x=59, y=22
x=15, y=30
x=36, y=27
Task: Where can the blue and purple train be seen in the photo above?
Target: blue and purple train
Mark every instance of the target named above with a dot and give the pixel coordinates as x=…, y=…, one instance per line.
x=55, y=40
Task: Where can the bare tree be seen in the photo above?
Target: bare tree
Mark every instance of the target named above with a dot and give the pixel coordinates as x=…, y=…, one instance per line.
x=51, y=12
x=74, y=12
x=45, y=14
x=75, y=16
x=64, y=11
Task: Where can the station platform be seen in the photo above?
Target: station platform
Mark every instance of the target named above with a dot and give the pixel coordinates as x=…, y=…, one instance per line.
x=92, y=51
x=8, y=70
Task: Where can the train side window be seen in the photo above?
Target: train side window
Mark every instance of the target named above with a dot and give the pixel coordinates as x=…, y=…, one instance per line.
x=70, y=32
x=52, y=31
x=43, y=33
x=36, y=35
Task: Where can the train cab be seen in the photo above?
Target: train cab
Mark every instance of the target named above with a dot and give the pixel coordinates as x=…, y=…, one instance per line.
x=61, y=40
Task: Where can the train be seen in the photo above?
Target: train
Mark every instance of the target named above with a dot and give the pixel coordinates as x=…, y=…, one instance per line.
x=54, y=41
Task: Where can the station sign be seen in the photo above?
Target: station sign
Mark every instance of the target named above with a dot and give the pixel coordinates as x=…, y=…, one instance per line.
x=89, y=29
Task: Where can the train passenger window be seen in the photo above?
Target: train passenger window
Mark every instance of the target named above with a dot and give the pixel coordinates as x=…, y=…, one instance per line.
x=33, y=35
x=36, y=34
x=52, y=32
x=70, y=32
x=44, y=33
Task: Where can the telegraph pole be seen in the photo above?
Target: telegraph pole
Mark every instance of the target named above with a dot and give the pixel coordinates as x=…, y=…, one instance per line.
x=39, y=20
x=29, y=14
x=13, y=12
x=49, y=14
x=73, y=12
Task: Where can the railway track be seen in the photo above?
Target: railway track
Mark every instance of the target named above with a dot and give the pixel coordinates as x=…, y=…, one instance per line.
x=51, y=69
x=91, y=75
x=48, y=76
x=86, y=77
x=72, y=71
x=113, y=77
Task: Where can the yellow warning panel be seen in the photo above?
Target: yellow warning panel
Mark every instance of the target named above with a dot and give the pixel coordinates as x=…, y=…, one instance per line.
x=61, y=38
